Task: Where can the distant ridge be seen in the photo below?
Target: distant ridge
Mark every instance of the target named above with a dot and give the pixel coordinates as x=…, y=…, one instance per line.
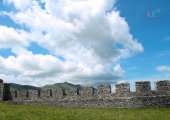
x=23, y=87
x=64, y=85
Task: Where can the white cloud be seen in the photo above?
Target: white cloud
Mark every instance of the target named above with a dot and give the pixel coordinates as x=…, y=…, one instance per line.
x=19, y=4
x=13, y=38
x=79, y=30
x=29, y=67
x=163, y=68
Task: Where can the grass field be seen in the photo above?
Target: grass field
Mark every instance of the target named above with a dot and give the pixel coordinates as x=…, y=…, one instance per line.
x=19, y=112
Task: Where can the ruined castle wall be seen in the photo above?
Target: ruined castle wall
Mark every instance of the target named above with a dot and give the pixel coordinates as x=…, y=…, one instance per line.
x=133, y=102
x=87, y=92
x=32, y=94
x=72, y=92
x=14, y=94
x=104, y=89
x=1, y=89
x=162, y=87
x=6, y=92
x=47, y=93
x=143, y=88
x=88, y=97
x=24, y=94
x=43, y=94
x=123, y=90
x=51, y=94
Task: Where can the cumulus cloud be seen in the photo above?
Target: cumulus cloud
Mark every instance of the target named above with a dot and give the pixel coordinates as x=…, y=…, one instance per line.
x=163, y=68
x=12, y=38
x=82, y=32
x=18, y=4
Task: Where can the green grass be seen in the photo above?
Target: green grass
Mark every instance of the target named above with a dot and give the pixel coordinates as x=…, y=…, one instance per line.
x=20, y=112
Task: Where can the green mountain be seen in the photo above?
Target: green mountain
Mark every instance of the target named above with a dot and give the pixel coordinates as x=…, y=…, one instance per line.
x=23, y=87
x=64, y=85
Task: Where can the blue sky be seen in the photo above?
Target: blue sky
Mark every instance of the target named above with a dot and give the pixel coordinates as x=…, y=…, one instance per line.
x=47, y=41
x=153, y=33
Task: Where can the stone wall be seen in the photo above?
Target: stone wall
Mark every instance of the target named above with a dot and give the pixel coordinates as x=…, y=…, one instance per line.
x=132, y=102
x=1, y=89
x=143, y=88
x=7, y=92
x=162, y=87
x=123, y=90
x=90, y=97
x=104, y=89
x=72, y=92
x=87, y=91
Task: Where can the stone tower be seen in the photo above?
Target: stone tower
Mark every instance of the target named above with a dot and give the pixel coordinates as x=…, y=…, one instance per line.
x=122, y=90
x=87, y=91
x=7, y=92
x=162, y=87
x=1, y=89
x=104, y=89
x=143, y=88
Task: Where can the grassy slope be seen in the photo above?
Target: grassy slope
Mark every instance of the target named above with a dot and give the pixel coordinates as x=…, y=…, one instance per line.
x=18, y=112
x=64, y=85
x=23, y=87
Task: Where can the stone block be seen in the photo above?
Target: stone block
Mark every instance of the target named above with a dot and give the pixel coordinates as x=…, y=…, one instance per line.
x=162, y=87
x=87, y=91
x=123, y=90
x=104, y=89
x=72, y=91
x=143, y=88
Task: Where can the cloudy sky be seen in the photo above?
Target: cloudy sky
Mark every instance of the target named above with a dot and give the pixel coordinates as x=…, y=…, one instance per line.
x=84, y=41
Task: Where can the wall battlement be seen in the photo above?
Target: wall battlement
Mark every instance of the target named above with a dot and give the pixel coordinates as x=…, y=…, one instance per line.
x=162, y=87
x=103, y=94
x=1, y=89
x=143, y=88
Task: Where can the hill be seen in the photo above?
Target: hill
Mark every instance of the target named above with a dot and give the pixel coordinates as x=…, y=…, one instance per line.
x=64, y=85
x=23, y=87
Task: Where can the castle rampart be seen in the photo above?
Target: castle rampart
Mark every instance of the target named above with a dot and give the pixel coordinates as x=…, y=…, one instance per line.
x=87, y=91
x=90, y=97
x=143, y=88
x=123, y=90
x=162, y=87
x=1, y=89
x=104, y=89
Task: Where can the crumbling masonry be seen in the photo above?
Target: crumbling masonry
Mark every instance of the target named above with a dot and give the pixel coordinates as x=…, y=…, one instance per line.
x=89, y=97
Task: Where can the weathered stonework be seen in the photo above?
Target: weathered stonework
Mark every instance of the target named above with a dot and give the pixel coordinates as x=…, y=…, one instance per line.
x=88, y=97
x=162, y=87
x=1, y=89
x=7, y=92
x=72, y=92
x=143, y=88
x=123, y=90
x=87, y=91
x=104, y=89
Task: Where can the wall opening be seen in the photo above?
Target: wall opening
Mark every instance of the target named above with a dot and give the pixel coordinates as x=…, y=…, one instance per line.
x=39, y=93
x=92, y=90
x=27, y=94
x=78, y=93
x=64, y=92
x=15, y=94
x=51, y=93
